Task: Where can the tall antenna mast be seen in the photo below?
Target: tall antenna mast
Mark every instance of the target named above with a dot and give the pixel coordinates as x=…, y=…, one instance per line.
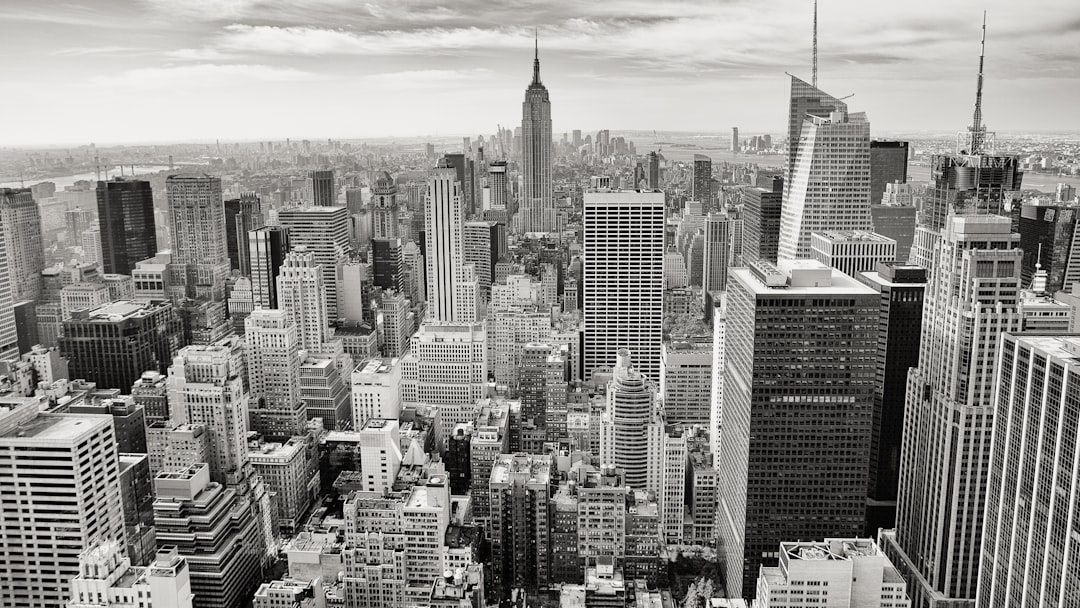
x=815, y=44
x=976, y=127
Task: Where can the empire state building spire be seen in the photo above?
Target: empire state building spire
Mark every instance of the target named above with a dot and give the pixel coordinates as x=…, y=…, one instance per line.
x=536, y=58
x=536, y=213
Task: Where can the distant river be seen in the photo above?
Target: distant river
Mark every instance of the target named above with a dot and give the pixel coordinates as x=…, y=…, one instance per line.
x=1032, y=181
x=69, y=180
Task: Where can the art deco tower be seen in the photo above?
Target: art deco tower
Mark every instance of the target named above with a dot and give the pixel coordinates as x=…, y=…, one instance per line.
x=537, y=202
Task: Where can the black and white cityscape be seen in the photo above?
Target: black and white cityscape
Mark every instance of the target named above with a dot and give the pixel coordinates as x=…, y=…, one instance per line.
x=299, y=310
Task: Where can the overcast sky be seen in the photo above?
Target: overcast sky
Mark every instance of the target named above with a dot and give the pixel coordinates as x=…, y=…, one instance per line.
x=180, y=70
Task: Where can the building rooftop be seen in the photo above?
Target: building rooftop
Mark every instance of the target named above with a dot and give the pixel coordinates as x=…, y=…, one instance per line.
x=804, y=277
x=62, y=428
x=853, y=236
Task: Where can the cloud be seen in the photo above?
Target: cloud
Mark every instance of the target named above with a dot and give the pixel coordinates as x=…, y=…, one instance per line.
x=427, y=79
x=202, y=75
x=100, y=50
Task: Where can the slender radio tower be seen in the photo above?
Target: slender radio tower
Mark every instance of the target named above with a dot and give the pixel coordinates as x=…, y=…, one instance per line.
x=976, y=126
x=814, y=82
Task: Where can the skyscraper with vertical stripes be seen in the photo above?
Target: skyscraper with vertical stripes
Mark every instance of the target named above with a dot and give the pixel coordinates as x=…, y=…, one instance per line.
x=537, y=203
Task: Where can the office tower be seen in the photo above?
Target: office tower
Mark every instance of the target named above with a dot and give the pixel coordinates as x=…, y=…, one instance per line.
x=302, y=293
x=491, y=438
x=324, y=231
x=380, y=454
x=851, y=252
x=9, y=337
x=325, y=392
x=126, y=215
x=768, y=406
x=242, y=215
x=1046, y=237
x=898, y=223
x=205, y=389
x=837, y=572
x=900, y=315
x=717, y=252
x=51, y=512
x=735, y=139
x=415, y=275
x=973, y=280
x=272, y=348
x=829, y=187
x=81, y=296
x=498, y=186
x=537, y=201
x=806, y=100
x=384, y=208
x=513, y=328
x=137, y=498
x=75, y=221
x=623, y=282
x=888, y=165
x=484, y=244
x=376, y=391
x=323, y=188
x=702, y=485
x=685, y=380
x=542, y=389
x=631, y=398
x=520, y=487
x=24, y=248
x=128, y=417
x=702, y=184
x=458, y=464
x=1033, y=468
x=761, y=221
x=397, y=324
x=451, y=291
x=200, y=254
x=283, y=467
x=150, y=392
x=666, y=457
x=268, y=247
x=215, y=529
x=388, y=264
x=654, y=171
x=114, y=344
x=446, y=367
x=601, y=516
x=106, y=579
x=675, y=276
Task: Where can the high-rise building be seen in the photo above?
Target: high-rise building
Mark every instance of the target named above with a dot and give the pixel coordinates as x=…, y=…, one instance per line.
x=323, y=188
x=126, y=216
x=735, y=139
x=242, y=215
x=491, y=438
x=283, y=467
x=106, y=579
x=388, y=264
x=200, y=253
x=380, y=454
x=686, y=380
x=498, y=187
x=376, y=391
x=324, y=231
x=326, y=392
x=301, y=292
x=837, y=572
x=898, y=223
x=542, y=389
x=113, y=345
x=623, y=286
x=78, y=492
x=25, y=250
x=215, y=529
x=520, y=487
x=702, y=185
x=653, y=172
x=384, y=208
x=799, y=370
x=888, y=165
x=717, y=252
x=631, y=399
x=273, y=361
x=1047, y=234
x=829, y=185
x=806, y=99
x=851, y=252
x=971, y=297
x=268, y=247
x=537, y=201
x=1033, y=467
x=761, y=222
x=451, y=286
x=484, y=244
x=902, y=289
x=205, y=388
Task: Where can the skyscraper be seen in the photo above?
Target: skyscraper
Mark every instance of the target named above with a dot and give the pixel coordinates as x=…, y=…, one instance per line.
x=800, y=346
x=451, y=286
x=1025, y=561
x=702, y=184
x=971, y=297
x=498, y=186
x=520, y=487
x=200, y=257
x=126, y=216
x=806, y=99
x=623, y=287
x=273, y=362
x=384, y=208
x=268, y=247
x=21, y=217
x=888, y=165
x=302, y=293
x=323, y=188
x=717, y=252
x=537, y=202
x=324, y=231
x=242, y=215
x=484, y=244
x=829, y=185
x=78, y=492
x=762, y=208
x=653, y=172
x=631, y=398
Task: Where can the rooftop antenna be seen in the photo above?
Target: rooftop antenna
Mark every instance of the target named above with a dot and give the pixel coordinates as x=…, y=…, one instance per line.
x=536, y=56
x=976, y=127
x=815, y=45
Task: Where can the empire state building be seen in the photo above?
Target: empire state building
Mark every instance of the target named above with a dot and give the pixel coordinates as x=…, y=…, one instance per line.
x=537, y=208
